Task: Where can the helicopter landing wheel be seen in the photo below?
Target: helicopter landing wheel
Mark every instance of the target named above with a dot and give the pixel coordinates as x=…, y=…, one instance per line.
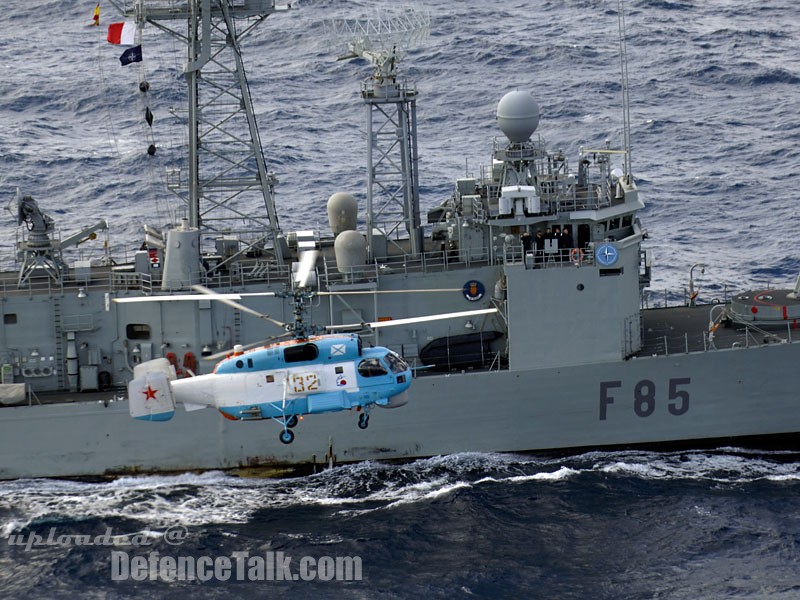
x=291, y=421
x=286, y=436
x=363, y=421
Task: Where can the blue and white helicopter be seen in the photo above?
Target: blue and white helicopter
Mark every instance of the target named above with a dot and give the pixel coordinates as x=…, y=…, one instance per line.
x=282, y=381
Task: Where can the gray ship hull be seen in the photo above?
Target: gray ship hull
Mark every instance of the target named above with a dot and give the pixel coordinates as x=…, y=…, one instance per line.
x=728, y=393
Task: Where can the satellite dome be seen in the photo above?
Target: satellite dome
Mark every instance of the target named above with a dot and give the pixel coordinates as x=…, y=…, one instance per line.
x=517, y=116
x=342, y=212
x=350, y=248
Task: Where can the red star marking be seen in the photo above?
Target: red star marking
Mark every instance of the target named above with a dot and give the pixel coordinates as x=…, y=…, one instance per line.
x=149, y=393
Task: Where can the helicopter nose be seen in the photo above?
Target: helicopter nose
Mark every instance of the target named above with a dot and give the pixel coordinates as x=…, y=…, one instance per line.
x=397, y=401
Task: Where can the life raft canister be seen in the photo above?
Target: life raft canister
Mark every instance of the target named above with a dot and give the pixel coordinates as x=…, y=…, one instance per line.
x=190, y=363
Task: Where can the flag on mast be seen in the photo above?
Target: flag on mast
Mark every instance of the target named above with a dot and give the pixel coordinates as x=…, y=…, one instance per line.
x=96, y=16
x=122, y=33
x=131, y=55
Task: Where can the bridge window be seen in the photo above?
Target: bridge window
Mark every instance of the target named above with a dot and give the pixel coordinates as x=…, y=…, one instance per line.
x=10, y=319
x=137, y=331
x=300, y=353
x=371, y=367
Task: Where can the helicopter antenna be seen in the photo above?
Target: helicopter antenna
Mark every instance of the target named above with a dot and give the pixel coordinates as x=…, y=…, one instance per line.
x=392, y=157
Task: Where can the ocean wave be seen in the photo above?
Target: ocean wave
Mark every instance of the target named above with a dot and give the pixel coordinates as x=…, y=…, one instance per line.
x=352, y=490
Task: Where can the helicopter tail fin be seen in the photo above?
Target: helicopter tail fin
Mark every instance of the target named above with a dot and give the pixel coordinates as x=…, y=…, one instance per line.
x=150, y=393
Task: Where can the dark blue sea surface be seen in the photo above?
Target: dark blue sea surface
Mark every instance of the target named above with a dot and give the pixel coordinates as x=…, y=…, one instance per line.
x=715, y=128
x=693, y=524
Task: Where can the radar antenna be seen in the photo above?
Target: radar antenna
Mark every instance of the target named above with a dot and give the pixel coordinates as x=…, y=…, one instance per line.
x=392, y=156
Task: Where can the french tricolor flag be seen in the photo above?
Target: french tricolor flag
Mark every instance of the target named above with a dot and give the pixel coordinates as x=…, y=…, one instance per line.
x=122, y=33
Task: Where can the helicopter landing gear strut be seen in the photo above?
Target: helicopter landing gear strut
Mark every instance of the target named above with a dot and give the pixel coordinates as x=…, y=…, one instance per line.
x=287, y=435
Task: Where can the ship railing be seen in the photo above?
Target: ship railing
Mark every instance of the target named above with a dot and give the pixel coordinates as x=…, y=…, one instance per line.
x=68, y=283
x=548, y=259
x=532, y=150
x=262, y=271
x=446, y=259
x=669, y=297
x=750, y=336
x=183, y=8
x=355, y=274
x=125, y=279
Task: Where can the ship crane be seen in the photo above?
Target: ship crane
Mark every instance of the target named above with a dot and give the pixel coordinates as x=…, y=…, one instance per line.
x=38, y=252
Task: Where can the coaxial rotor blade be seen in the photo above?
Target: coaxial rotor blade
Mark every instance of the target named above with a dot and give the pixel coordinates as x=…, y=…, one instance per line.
x=211, y=294
x=362, y=292
x=175, y=298
x=408, y=321
x=265, y=342
x=308, y=261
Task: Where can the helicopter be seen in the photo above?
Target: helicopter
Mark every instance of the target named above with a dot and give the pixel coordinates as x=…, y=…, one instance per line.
x=311, y=373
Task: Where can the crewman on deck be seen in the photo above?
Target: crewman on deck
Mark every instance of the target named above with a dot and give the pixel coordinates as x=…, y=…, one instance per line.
x=527, y=242
x=539, y=247
x=566, y=243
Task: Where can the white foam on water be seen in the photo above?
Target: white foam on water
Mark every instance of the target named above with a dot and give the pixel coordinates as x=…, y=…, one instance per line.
x=215, y=497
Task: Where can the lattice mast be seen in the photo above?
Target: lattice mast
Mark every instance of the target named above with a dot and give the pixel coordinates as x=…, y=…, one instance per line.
x=392, y=156
x=226, y=167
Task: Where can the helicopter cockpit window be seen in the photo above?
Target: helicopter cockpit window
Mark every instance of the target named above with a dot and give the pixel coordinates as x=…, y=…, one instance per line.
x=371, y=367
x=396, y=364
x=300, y=353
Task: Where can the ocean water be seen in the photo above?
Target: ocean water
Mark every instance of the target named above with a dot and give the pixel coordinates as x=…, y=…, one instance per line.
x=715, y=126
x=694, y=524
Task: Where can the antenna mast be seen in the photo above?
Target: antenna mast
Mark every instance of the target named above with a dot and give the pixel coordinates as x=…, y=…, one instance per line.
x=392, y=158
x=626, y=102
x=226, y=160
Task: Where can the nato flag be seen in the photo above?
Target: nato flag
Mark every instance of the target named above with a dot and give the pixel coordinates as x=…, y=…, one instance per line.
x=131, y=55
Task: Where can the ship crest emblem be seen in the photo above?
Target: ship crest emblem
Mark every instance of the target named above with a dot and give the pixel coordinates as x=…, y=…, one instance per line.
x=473, y=290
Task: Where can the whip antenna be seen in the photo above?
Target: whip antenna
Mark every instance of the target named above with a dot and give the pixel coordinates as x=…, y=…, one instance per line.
x=626, y=103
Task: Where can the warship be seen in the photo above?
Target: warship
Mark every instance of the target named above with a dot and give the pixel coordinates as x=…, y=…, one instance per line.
x=571, y=358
